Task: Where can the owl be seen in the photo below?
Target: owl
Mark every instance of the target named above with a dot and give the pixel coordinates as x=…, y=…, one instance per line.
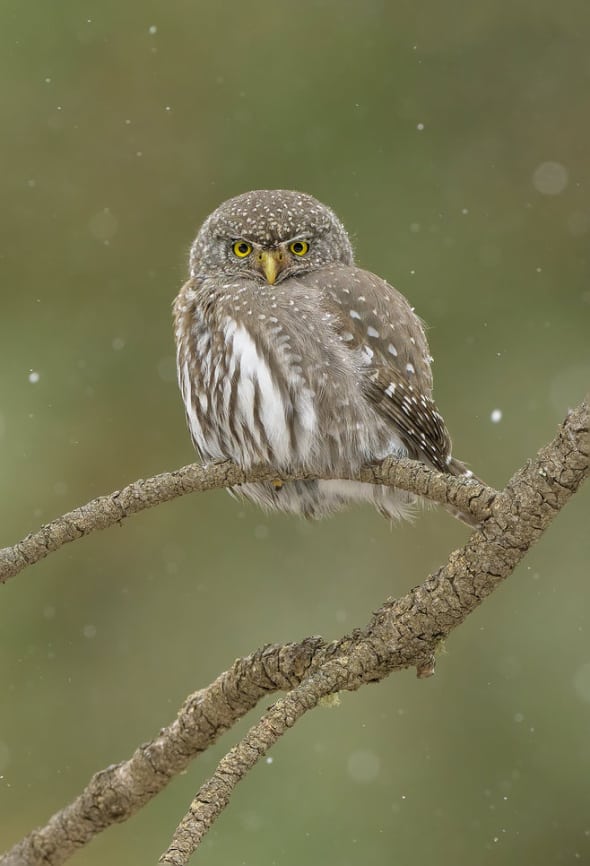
x=290, y=355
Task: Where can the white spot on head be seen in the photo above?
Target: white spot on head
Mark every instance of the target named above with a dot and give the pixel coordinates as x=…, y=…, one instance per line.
x=346, y=336
x=390, y=390
x=410, y=368
x=372, y=332
x=354, y=314
x=392, y=350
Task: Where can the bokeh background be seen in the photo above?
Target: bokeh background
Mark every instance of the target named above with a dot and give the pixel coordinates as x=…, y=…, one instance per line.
x=452, y=139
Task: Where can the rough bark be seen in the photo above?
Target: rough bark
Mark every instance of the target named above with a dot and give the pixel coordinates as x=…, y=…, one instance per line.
x=402, y=633
x=463, y=494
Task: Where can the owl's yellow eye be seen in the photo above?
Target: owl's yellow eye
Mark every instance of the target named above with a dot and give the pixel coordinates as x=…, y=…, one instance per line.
x=242, y=249
x=299, y=248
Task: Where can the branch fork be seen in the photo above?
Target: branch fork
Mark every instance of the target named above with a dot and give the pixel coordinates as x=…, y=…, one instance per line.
x=402, y=633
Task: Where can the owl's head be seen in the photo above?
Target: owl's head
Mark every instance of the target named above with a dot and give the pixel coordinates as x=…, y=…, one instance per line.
x=269, y=234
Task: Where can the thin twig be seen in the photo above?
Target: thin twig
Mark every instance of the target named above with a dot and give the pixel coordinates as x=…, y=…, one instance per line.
x=465, y=494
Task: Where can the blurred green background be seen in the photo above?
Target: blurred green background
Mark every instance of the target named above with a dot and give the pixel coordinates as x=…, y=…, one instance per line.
x=452, y=139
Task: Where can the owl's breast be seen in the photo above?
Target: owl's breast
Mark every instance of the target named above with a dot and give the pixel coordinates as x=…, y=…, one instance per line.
x=266, y=378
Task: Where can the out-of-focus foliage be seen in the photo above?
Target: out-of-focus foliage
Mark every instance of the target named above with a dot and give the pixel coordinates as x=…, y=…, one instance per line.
x=452, y=139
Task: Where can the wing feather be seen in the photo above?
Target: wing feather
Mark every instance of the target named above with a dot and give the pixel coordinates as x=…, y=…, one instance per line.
x=377, y=323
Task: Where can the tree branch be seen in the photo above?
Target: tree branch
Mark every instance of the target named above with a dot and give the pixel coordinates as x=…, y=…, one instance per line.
x=115, y=794
x=406, y=632
x=465, y=494
x=402, y=633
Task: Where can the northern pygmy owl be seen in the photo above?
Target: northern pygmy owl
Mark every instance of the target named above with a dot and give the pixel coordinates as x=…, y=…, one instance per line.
x=290, y=355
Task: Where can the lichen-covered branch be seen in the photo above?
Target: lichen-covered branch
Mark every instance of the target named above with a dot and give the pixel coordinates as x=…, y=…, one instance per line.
x=466, y=495
x=402, y=633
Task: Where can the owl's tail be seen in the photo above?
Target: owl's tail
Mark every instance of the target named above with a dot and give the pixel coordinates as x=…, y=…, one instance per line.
x=456, y=467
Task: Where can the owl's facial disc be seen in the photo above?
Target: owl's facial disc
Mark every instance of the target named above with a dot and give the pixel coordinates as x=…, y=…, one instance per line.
x=271, y=262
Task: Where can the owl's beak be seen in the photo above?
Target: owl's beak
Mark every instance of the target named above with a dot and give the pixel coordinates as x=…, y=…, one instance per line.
x=271, y=263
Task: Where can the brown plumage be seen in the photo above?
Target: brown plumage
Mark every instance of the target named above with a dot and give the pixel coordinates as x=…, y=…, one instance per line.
x=290, y=355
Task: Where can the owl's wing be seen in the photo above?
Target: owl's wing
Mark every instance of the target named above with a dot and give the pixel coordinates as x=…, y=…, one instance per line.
x=376, y=322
